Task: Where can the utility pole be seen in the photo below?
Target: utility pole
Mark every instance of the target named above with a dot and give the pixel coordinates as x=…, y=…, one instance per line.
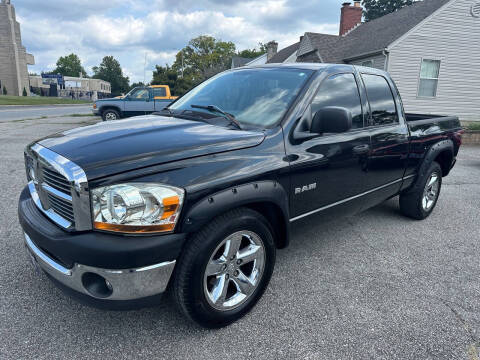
x=144, y=68
x=182, y=64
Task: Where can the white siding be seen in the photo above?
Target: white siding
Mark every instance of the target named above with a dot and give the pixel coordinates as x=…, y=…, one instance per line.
x=378, y=61
x=262, y=59
x=451, y=35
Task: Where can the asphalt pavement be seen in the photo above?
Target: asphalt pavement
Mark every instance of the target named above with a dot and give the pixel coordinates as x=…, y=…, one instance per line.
x=371, y=286
x=19, y=112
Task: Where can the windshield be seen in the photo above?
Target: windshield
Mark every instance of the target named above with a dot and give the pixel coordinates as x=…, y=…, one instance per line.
x=254, y=96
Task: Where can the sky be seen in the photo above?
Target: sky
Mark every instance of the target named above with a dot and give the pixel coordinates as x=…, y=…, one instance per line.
x=129, y=29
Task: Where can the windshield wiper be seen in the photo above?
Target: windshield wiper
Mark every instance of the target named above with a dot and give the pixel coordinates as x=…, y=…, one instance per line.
x=215, y=108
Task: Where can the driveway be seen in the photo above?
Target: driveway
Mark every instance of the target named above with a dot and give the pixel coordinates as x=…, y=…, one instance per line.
x=376, y=285
x=16, y=112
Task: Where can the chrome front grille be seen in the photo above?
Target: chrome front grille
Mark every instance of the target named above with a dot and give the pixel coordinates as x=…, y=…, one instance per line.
x=61, y=207
x=58, y=187
x=56, y=180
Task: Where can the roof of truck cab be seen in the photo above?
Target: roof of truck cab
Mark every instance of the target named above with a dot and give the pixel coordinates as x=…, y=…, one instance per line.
x=315, y=67
x=306, y=66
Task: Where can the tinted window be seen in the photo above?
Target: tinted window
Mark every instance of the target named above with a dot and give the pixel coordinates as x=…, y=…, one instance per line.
x=341, y=91
x=254, y=96
x=160, y=92
x=381, y=99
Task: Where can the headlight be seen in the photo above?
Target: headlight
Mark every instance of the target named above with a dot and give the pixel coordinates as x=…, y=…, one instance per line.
x=136, y=207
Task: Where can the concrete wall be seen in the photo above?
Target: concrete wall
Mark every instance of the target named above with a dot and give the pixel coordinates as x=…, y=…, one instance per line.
x=450, y=35
x=13, y=56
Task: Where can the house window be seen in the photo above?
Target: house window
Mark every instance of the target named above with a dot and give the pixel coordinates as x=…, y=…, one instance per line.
x=429, y=78
x=368, y=63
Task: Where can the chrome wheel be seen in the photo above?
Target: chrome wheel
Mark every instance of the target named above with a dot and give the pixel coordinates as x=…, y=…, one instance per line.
x=430, y=192
x=234, y=270
x=110, y=116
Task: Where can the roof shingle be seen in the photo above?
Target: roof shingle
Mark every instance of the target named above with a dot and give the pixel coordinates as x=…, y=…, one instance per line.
x=368, y=37
x=284, y=54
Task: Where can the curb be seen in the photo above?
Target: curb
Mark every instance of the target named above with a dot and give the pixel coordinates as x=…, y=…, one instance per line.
x=471, y=137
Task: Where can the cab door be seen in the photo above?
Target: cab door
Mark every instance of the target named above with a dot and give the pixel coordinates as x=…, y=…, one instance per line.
x=329, y=170
x=389, y=135
x=139, y=102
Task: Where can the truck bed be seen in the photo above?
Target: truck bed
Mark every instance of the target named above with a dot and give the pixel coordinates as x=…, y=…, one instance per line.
x=428, y=123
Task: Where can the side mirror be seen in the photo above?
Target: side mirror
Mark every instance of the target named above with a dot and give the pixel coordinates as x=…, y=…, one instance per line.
x=331, y=119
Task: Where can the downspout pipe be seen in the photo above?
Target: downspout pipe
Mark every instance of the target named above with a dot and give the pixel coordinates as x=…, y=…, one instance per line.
x=386, y=53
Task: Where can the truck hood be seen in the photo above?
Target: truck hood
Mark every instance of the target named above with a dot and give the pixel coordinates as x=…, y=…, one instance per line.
x=117, y=146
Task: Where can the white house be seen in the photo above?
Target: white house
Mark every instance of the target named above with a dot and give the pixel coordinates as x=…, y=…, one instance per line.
x=431, y=49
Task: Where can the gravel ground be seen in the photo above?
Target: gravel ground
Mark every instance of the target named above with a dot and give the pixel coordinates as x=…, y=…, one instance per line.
x=376, y=285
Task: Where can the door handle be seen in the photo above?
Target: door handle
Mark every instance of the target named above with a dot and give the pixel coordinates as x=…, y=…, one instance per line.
x=361, y=149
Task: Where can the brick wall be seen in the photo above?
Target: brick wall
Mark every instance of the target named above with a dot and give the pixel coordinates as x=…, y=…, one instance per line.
x=350, y=16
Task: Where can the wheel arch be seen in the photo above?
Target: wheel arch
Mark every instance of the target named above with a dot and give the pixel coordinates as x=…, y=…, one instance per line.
x=266, y=197
x=443, y=153
x=110, y=107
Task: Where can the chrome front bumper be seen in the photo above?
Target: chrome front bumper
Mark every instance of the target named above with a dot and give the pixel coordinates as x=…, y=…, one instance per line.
x=123, y=284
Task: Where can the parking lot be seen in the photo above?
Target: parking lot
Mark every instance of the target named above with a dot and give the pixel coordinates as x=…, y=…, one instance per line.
x=376, y=285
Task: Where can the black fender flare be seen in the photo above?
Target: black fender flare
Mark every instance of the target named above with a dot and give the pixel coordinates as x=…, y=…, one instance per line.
x=430, y=156
x=267, y=197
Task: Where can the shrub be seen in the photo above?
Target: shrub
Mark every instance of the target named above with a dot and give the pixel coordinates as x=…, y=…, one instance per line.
x=4, y=90
x=24, y=92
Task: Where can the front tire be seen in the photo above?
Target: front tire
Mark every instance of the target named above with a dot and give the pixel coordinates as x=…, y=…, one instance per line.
x=225, y=268
x=419, y=202
x=110, y=114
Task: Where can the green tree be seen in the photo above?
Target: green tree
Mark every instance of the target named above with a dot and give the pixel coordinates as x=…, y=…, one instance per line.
x=179, y=85
x=373, y=9
x=253, y=53
x=24, y=92
x=4, y=90
x=203, y=57
x=69, y=65
x=111, y=71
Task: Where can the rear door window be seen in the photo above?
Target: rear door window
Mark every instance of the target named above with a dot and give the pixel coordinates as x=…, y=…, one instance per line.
x=380, y=97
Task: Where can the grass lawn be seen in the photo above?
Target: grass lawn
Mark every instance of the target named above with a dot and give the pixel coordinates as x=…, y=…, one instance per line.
x=473, y=126
x=36, y=100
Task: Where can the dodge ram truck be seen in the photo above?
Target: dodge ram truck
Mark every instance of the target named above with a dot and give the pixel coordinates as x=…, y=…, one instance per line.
x=197, y=198
x=139, y=101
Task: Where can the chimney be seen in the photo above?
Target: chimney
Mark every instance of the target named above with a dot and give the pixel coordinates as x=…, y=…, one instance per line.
x=350, y=17
x=272, y=48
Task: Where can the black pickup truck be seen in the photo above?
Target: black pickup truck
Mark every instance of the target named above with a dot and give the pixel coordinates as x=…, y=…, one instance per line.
x=197, y=198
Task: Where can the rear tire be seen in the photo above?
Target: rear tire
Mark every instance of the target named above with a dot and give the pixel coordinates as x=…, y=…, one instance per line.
x=225, y=268
x=110, y=114
x=419, y=201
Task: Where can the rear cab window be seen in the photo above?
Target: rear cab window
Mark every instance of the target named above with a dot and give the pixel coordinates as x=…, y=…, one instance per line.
x=381, y=100
x=159, y=92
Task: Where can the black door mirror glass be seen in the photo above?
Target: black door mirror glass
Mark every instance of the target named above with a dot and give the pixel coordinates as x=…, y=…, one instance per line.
x=331, y=119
